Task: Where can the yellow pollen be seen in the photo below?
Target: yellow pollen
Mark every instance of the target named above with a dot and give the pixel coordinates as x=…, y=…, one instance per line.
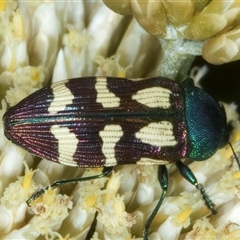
x=182, y=217
x=235, y=136
x=91, y=200
x=228, y=153
x=19, y=28
x=34, y=74
x=27, y=180
x=38, y=200
x=3, y=5
x=236, y=175
x=121, y=73
x=49, y=197
x=98, y=169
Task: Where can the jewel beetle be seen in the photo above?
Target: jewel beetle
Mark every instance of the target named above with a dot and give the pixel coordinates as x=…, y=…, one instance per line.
x=109, y=121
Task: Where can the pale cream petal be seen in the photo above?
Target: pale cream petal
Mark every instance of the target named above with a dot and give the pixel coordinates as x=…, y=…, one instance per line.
x=224, y=48
x=215, y=17
x=122, y=6
x=178, y=12
x=150, y=15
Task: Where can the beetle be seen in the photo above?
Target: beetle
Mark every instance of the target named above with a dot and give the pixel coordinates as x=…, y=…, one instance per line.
x=109, y=121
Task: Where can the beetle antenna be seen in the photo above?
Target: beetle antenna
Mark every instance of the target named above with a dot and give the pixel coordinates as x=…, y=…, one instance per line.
x=235, y=155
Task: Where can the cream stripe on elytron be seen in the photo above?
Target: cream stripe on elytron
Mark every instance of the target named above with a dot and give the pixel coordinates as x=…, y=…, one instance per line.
x=62, y=97
x=104, y=96
x=110, y=135
x=154, y=97
x=150, y=161
x=157, y=134
x=67, y=145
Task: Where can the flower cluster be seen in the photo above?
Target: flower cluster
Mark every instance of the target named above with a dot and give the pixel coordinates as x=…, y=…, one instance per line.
x=43, y=41
x=215, y=21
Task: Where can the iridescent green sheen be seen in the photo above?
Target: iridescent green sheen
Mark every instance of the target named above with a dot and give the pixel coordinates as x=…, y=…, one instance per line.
x=206, y=122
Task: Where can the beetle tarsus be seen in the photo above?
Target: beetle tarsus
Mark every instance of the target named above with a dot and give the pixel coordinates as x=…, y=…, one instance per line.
x=187, y=173
x=105, y=172
x=36, y=195
x=207, y=199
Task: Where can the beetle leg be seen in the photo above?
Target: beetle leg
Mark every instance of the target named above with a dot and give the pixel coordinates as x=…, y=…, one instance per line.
x=163, y=180
x=187, y=173
x=105, y=172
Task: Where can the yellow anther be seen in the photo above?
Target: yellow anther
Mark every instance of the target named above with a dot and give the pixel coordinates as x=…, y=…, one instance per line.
x=35, y=74
x=3, y=5
x=91, y=200
x=49, y=197
x=182, y=217
x=18, y=24
x=236, y=175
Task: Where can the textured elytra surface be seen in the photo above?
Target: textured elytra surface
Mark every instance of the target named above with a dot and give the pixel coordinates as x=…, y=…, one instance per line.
x=110, y=136
x=150, y=134
x=102, y=121
x=154, y=97
x=62, y=96
x=104, y=96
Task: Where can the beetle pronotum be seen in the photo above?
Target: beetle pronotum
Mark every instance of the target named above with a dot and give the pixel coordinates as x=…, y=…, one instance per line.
x=106, y=121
